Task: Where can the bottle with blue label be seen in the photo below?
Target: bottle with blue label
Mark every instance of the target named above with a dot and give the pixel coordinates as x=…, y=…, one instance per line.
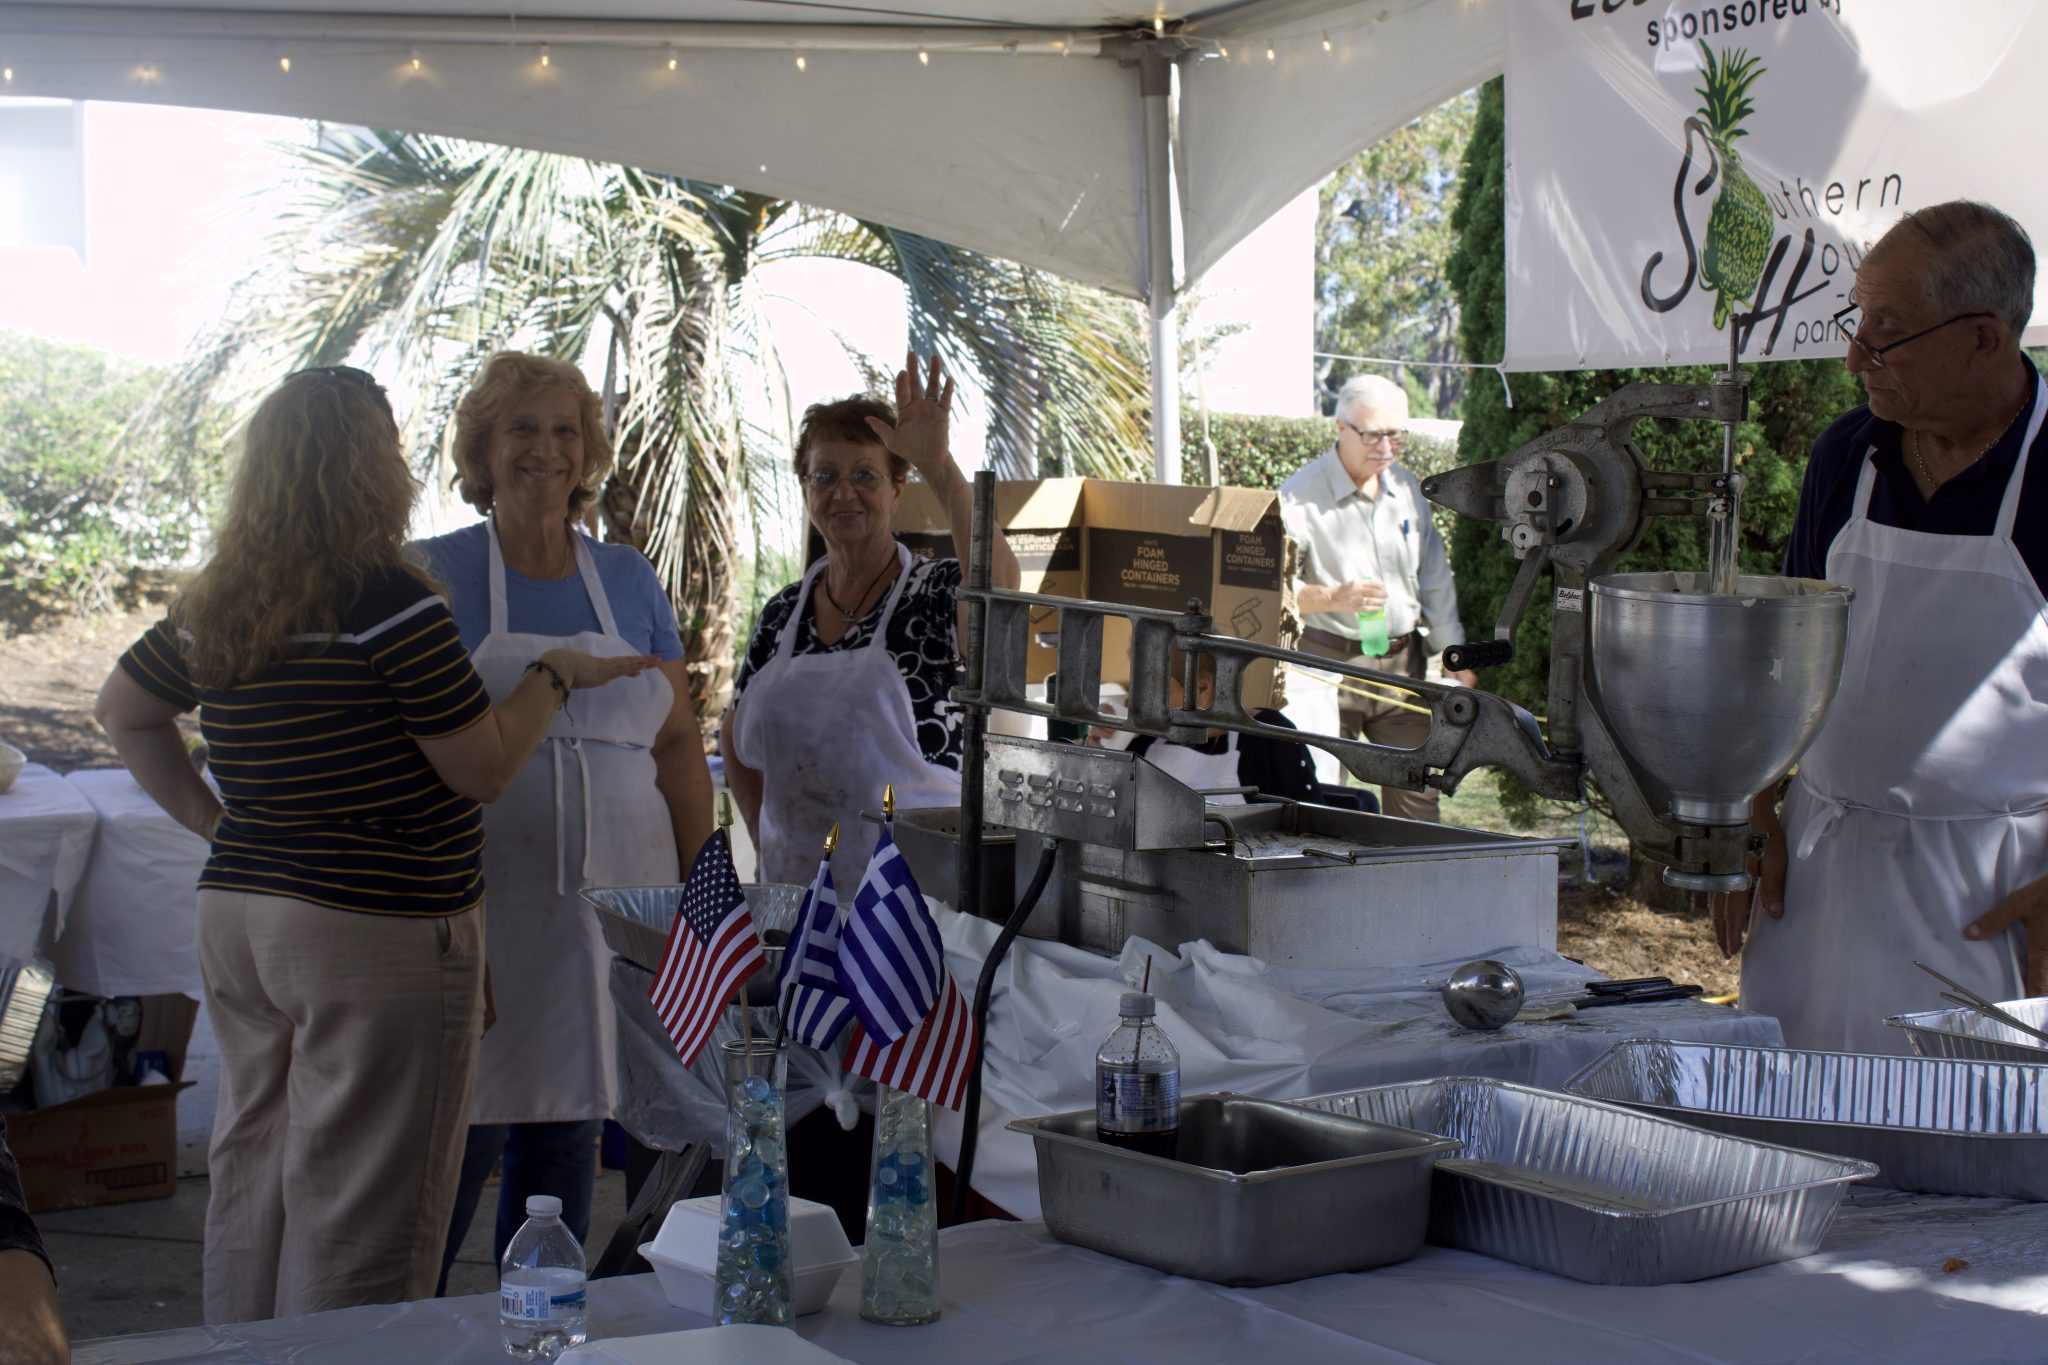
x=540, y=1285
x=1137, y=1082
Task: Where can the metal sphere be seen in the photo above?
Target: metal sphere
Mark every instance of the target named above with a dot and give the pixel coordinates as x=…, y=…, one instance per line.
x=1483, y=994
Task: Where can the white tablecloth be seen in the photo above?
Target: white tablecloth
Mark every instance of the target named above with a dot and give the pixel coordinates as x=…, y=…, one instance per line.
x=1012, y=1295
x=1239, y=1025
x=45, y=839
x=1257, y=1030
x=133, y=923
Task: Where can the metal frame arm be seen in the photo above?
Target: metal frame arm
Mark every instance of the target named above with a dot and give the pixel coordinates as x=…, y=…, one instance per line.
x=1468, y=729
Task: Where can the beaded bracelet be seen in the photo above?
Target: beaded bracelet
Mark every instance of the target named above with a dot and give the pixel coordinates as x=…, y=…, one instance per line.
x=554, y=676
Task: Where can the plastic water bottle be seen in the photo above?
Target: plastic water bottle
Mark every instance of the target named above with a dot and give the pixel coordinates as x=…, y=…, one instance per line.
x=1372, y=633
x=540, y=1285
x=1137, y=1082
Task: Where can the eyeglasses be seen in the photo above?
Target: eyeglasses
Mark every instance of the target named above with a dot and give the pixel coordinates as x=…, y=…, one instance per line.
x=1390, y=436
x=1876, y=354
x=864, y=480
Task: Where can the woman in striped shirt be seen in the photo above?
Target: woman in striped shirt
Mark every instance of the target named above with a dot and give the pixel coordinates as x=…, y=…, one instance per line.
x=340, y=933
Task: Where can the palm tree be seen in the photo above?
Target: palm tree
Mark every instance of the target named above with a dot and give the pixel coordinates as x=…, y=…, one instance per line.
x=423, y=254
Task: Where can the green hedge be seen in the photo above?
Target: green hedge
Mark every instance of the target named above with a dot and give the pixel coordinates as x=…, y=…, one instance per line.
x=1260, y=452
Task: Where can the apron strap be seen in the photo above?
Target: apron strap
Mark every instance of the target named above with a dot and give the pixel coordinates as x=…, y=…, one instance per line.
x=586, y=568
x=2008, y=510
x=896, y=591
x=785, y=648
x=500, y=615
x=586, y=565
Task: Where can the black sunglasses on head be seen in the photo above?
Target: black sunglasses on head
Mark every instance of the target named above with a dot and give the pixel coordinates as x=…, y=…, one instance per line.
x=348, y=374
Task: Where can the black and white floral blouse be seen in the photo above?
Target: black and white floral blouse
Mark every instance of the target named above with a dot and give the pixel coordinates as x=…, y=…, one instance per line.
x=920, y=640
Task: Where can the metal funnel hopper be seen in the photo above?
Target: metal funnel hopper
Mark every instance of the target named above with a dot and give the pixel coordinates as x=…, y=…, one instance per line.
x=1714, y=697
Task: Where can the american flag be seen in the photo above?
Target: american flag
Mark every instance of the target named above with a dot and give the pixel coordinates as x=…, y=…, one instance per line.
x=931, y=1062
x=813, y=1008
x=891, y=961
x=712, y=950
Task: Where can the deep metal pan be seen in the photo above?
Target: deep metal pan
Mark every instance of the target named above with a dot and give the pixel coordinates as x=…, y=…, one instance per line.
x=1602, y=1193
x=1947, y=1127
x=1256, y=1193
x=1965, y=1035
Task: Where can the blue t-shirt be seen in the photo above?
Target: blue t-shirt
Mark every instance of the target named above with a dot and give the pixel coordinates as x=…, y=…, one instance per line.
x=556, y=607
x=1967, y=505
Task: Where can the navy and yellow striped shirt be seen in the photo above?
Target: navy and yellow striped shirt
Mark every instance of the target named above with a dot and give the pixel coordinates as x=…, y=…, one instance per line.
x=329, y=798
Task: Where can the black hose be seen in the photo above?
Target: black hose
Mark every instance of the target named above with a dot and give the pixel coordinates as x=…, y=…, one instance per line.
x=970, y=1114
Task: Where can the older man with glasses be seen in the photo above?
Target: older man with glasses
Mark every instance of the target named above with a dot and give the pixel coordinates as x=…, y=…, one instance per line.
x=1376, y=585
x=1916, y=827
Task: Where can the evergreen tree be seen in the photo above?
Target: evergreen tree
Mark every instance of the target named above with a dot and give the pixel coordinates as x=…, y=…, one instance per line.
x=1790, y=404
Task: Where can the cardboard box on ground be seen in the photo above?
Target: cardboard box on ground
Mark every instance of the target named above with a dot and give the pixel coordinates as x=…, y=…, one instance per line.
x=113, y=1145
x=1141, y=545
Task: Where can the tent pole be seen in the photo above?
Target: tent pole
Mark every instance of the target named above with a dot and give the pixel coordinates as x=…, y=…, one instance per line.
x=1156, y=82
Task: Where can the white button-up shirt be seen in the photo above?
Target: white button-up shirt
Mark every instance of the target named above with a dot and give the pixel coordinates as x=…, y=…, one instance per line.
x=1392, y=540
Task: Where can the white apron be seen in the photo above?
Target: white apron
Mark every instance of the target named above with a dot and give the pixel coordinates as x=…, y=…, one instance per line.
x=1203, y=772
x=584, y=811
x=1924, y=799
x=827, y=732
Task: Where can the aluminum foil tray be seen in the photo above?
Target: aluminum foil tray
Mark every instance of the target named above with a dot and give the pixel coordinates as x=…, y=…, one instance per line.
x=636, y=921
x=1947, y=1127
x=1601, y=1193
x=1257, y=1192
x=24, y=989
x=1965, y=1035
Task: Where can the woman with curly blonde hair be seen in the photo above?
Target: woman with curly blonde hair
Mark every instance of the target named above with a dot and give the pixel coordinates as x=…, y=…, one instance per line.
x=340, y=933
x=621, y=795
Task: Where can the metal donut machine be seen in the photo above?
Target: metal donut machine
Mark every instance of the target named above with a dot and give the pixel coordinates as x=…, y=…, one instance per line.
x=1680, y=695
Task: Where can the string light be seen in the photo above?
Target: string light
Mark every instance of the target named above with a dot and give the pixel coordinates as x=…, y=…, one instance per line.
x=1063, y=47
x=1223, y=51
x=1326, y=42
x=924, y=58
x=1271, y=55
x=1159, y=23
x=415, y=59
x=546, y=58
x=284, y=64
x=6, y=75
x=801, y=63
x=671, y=56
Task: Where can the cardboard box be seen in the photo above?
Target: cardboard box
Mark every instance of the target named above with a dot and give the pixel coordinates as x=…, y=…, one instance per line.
x=1135, y=544
x=115, y=1145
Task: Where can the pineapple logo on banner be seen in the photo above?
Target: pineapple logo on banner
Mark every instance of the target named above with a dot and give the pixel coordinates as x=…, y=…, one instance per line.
x=1740, y=259
x=1739, y=230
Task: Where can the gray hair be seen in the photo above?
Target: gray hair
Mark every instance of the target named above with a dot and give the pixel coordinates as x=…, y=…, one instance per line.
x=1363, y=390
x=1983, y=261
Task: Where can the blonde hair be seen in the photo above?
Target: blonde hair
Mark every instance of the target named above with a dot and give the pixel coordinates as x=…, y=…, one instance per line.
x=320, y=500
x=506, y=377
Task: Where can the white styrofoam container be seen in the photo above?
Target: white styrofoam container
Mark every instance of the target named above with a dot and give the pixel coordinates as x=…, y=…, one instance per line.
x=684, y=1253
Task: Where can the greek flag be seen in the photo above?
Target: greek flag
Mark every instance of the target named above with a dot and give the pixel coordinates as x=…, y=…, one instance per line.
x=891, y=960
x=813, y=1009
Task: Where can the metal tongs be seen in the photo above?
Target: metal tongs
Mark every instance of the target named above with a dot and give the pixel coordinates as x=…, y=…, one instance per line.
x=1970, y=1000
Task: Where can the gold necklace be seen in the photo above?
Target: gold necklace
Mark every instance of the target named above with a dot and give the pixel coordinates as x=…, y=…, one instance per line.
x=1920, y=460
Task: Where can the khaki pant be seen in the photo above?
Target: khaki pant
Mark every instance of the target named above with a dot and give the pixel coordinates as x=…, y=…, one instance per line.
x=348, y=1054
x=1384, y=722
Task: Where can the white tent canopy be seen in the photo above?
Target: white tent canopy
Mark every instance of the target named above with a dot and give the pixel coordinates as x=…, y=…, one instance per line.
x=1037, y=130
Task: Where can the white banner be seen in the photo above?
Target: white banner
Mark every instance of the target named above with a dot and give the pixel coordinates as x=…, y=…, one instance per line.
x=1675, y=168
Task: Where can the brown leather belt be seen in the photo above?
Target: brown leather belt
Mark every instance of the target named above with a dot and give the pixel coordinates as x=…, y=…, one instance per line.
x=1330, y=639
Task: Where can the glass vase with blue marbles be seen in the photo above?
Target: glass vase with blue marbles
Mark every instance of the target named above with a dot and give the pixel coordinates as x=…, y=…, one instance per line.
x=899, y=1264
x=755, y=1277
